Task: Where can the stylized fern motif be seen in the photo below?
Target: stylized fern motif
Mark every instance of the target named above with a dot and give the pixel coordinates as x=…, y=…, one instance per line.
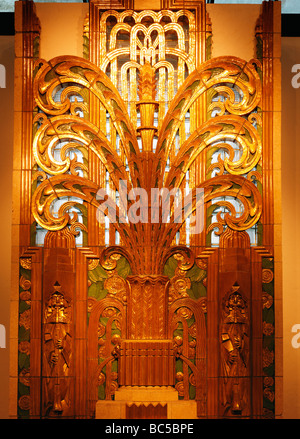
x=59, y=122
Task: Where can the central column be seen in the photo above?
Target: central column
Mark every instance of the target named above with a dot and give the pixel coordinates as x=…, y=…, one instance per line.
x=147, y=307
x=147, y=355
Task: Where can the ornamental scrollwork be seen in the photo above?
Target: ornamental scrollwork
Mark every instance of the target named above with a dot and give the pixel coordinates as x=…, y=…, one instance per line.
x=62, y=130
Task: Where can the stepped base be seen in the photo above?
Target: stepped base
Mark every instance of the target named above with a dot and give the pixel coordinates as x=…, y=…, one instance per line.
x=146, y=402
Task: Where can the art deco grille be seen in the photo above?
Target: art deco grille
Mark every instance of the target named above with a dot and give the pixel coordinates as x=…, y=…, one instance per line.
x=129, y=296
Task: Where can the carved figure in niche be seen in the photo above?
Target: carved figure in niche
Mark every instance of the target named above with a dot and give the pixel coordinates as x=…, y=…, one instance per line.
x=57, y=350
x=234, y=350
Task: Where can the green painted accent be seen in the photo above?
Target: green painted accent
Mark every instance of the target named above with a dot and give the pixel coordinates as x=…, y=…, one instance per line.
x=96, y=290
x=101, y=391
x=208, y=47
x=259, y=47
x=23, y=337
x=197, y=290
x=268, y=316
x=195, y=274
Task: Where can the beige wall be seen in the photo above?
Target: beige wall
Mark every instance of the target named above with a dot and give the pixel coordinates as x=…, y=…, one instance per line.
x=290, y=231
x=6, y=160
x=62, y=28
x=232, y=36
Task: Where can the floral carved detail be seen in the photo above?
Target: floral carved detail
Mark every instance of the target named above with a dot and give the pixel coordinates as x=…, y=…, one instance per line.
x=26, y=263
x=267, y=300
x=25, y=319
x=267, y=275
x=268, y=357
x=117, y=287
x=24, y=402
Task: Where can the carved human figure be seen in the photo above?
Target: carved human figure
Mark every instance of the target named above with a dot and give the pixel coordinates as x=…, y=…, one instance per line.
x=234, y=351
x=57, y=350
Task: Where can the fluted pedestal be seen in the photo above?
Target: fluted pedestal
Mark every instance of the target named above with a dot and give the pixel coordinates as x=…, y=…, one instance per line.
x=146, y=402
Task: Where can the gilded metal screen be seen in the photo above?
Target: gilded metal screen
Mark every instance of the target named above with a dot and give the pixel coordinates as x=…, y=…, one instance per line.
x=146, y=244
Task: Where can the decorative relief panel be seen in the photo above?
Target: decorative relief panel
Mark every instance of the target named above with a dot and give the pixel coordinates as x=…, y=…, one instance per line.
x=66, y=183
x=24, y=397
x=155, y=303
x=146, y=243
x=107, y=303
x=235, y=346
x=57, y=351
x=187, y=325
x=268, y=337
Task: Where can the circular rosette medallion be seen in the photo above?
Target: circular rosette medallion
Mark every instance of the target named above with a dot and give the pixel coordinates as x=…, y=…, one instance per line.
x=179, y=286
x=116, y=287
x=267, y=275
